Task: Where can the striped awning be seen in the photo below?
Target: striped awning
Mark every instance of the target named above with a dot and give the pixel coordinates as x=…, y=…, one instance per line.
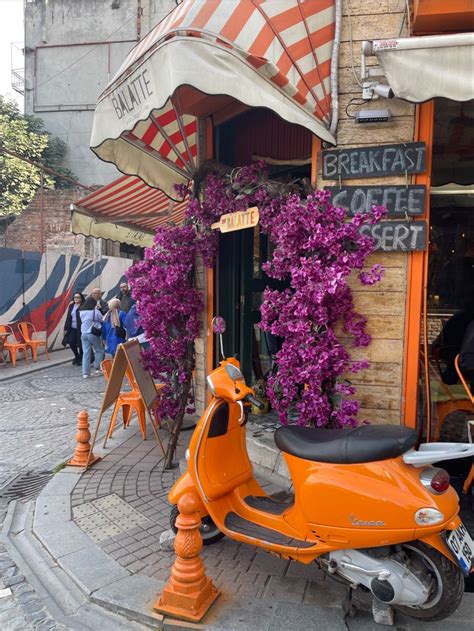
x=202, y=56
x=126, y=210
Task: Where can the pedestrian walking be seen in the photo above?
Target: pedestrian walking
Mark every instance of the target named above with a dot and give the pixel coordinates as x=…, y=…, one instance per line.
x=91, y=336
x=114, y=332
x=125, y=297
x=72, y=328
x=101, y=304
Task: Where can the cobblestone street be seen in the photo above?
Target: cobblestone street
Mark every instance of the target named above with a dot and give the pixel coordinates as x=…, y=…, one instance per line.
x=37, y=427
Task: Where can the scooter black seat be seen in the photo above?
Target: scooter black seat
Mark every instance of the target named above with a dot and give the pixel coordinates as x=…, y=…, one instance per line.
x=346, y=446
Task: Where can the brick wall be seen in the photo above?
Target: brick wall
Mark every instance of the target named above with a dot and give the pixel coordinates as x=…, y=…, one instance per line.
x=379, y=389
x=25, y=233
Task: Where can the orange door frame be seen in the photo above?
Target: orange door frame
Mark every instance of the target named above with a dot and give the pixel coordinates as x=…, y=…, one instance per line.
x=210, y=273
x=417, y=278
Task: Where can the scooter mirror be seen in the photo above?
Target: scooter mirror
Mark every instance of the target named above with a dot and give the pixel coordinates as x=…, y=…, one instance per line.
x=218, y=325
x=234, y=373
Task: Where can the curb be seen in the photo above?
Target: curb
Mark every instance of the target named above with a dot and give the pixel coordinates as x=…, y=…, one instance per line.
x=32, y=368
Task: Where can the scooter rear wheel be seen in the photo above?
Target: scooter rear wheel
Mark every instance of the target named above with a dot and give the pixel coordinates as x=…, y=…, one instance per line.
x=447, y=583
x=210, y=533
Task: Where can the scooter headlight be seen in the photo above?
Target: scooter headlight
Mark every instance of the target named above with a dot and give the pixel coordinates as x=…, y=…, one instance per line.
x=428, y=517
x=210, y=385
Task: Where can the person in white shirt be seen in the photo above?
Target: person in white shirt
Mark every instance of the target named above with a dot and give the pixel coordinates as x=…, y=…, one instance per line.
x=91, y=336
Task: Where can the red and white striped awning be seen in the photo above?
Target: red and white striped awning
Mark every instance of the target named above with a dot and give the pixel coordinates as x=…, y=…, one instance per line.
x=262, y=53
x=126, y=210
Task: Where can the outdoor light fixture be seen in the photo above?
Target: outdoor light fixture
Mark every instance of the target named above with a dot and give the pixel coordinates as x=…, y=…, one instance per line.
x=373, y=116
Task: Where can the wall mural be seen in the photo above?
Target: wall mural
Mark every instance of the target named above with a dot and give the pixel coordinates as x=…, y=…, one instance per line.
x=38, y=288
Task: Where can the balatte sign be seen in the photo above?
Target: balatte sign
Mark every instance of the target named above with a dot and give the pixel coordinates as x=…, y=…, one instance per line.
x=379, y=161
x=397, y=236
x=398, y=200
x=237, y=221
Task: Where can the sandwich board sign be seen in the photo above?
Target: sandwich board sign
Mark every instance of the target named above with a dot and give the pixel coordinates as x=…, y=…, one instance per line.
x=128, y=355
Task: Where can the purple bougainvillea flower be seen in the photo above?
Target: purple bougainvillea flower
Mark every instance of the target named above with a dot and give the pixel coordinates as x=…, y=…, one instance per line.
x=317, y=247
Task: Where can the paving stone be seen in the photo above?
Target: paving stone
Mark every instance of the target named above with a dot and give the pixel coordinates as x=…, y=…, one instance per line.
x=268, y=564
x=285, y=588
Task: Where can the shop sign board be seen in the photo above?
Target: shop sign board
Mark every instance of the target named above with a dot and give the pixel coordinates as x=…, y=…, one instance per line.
x=397, y=236
x=377, y=161
x=237, y=221
x=398, y=200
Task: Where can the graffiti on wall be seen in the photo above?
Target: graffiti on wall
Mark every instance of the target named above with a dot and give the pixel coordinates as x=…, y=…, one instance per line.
x=38, y=288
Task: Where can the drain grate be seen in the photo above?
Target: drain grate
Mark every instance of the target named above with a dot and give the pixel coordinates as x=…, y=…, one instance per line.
x=26, y=486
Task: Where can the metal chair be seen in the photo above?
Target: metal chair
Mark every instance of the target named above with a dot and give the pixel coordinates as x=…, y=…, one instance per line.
x=128, y=402
x=27, y=330
x=11, y=344
x=470, y=478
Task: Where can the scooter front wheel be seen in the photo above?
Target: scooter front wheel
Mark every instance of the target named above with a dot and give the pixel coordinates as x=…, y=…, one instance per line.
x=446, y=579
x=210, y=533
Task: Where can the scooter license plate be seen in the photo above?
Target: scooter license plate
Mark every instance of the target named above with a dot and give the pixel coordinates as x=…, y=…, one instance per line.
x=462, y=546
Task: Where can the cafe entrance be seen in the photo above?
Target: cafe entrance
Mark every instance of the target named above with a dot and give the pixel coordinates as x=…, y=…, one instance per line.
x=240, y=280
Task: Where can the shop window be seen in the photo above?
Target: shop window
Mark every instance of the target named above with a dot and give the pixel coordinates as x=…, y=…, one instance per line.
x=450, y=295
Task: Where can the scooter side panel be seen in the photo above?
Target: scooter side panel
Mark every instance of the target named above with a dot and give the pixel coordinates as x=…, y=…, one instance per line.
x=375, y=496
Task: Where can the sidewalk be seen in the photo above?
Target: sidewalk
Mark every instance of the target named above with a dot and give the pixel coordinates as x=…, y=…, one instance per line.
x=97, y=532
x=7, y=371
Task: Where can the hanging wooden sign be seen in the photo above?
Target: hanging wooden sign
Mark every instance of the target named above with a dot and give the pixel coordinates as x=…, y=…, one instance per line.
x=237, y=221
x=378, y=161
x=397, y=236
x=398, y=200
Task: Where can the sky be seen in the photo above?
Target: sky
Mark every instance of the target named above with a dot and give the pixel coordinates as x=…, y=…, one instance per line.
x=11, y=30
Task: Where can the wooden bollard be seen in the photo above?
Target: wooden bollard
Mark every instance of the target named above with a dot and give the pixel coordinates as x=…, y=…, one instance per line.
x=83, y=436
x=189, y=592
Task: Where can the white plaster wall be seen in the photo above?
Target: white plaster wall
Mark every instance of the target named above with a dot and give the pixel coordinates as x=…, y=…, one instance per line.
x=72, y=50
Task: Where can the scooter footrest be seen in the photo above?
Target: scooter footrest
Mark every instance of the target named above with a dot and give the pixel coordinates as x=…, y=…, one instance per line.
x=242, y=526
x=268, y=505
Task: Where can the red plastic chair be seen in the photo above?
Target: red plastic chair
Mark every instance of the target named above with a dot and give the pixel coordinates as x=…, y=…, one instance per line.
x=27, y=330
x=12, y=345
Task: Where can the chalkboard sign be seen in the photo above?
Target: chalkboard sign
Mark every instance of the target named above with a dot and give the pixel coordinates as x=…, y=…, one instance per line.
x=397, y=236
x=128, y=356
x=399, y=200
x=378, y=161
x=143, y=378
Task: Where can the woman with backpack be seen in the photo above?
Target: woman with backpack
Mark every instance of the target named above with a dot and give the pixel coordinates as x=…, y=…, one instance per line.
x=114, y=332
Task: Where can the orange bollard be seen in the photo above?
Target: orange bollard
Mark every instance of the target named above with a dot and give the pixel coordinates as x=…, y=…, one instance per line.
x=189, y=592
x=83, y=436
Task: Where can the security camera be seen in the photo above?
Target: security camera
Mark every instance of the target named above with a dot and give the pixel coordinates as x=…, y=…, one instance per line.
x=383, y=90
x=371, y=90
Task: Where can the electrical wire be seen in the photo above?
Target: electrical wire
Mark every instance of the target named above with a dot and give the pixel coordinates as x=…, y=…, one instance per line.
x=87, y=53
x=351, y=102
x=349, y=14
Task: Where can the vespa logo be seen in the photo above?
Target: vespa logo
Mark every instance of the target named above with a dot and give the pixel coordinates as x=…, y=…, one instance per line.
x=361, y=522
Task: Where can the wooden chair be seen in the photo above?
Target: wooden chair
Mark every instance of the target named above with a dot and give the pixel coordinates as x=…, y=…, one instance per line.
x=27, y=330
x=128, y=402
x=12, y=345
x=470, y=478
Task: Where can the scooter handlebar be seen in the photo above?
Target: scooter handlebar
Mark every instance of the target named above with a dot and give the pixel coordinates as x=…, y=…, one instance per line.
x=254, y=401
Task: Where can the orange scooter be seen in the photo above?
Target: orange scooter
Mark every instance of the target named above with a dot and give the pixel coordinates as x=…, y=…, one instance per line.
x=368, y=507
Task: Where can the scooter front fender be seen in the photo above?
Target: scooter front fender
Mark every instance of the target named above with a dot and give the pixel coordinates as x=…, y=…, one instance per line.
x=183, y=485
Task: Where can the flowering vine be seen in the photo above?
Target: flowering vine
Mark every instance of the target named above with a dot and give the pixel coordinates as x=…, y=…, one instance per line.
x=317, y=246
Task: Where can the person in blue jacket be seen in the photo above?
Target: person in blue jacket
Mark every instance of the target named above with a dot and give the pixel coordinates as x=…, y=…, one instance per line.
x=113, y=330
